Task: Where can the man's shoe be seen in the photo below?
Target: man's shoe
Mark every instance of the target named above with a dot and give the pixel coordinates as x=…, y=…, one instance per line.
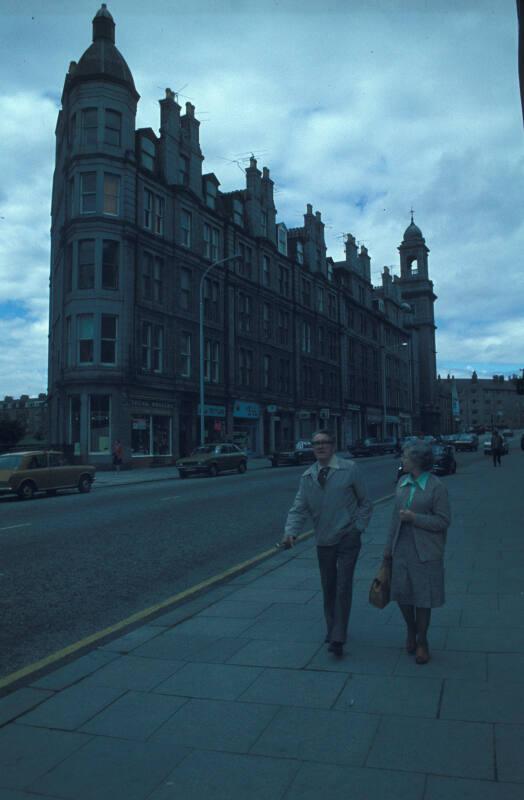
x=337, y=648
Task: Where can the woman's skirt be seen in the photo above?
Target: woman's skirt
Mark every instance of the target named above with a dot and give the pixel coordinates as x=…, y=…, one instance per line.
x=415, y=582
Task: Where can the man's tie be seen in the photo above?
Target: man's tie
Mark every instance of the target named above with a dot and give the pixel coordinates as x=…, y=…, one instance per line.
x=322, y=476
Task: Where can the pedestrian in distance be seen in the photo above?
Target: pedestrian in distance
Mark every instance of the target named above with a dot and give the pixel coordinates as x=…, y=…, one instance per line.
x=415, y=545
x=333, y=494
x=496, y=447
x=118, y=454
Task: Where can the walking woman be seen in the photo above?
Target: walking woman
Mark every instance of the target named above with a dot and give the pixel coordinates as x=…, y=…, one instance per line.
x=416, y=543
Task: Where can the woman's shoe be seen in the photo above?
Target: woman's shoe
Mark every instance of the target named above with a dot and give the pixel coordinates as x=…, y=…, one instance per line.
x=411, y=644
x=422, y=654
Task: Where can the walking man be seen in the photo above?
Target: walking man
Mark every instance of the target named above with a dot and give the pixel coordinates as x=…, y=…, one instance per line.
x=332, y=493
x=496, y=447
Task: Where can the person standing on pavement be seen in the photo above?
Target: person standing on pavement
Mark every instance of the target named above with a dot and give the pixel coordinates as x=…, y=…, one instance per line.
x=496, y=447
x=333, y=494
x=415, y=545
x=118, y=454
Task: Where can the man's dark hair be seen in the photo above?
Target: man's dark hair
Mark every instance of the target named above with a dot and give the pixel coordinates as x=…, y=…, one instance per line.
x=324, y=432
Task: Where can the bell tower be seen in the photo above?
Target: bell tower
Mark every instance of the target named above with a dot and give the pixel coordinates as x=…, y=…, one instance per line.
x=417, y=290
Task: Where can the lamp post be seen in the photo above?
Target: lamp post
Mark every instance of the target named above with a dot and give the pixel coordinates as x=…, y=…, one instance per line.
x=201, y=308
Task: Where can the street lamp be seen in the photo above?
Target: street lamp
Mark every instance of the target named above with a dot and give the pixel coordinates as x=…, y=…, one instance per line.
x=202, y=279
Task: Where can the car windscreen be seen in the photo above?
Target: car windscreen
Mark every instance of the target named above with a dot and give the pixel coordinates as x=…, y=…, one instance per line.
x=10, y=461
x=204, y=449
x=438, y=451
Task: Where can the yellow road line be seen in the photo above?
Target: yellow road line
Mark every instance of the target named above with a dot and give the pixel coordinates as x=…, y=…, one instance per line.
x=148, y=612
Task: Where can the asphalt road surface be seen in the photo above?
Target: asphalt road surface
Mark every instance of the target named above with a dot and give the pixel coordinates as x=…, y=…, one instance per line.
x=73, y=564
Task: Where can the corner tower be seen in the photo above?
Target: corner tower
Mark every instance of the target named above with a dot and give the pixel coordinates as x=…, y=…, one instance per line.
x=417, y=290
x=92, y=254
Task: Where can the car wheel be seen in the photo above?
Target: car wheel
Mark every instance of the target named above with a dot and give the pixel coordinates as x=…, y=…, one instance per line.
x=213, y=471
x=84, y=484
x=182, y=474
x=242, y=467
x=27, y=491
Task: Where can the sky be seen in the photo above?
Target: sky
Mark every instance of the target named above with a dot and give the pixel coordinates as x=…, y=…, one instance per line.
x=363, y=108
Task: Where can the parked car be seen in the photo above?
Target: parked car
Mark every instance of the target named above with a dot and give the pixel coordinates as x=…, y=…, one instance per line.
x=487, y=446
x=210, y=459
x=35, y=471
x=466, y=441
x=444, y=462
x=373, y=447
x=507, y=433
x=293, y=454
x=522, y=442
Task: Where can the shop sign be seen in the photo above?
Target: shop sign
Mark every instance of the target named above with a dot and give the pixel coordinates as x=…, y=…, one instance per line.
x=139, y=424
x=272, y=409
x=246, y=410
x=304, y=414
x=324, y=414
x=213, y=411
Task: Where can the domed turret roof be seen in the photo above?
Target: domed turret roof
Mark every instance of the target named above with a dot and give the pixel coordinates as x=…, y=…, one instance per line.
x=413, y=232
x=102, y=60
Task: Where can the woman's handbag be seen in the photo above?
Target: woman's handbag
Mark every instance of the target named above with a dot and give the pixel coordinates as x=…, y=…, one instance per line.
x=379, y=593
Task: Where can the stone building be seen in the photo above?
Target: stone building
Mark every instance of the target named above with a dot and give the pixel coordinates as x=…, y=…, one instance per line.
x=31, y=413
x=292, y=340
x=485, y=403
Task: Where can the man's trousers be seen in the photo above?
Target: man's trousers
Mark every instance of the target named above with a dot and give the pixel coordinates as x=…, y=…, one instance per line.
x=337, y=564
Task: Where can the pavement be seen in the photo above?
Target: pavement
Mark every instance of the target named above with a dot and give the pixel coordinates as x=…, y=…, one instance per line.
x=234, y=696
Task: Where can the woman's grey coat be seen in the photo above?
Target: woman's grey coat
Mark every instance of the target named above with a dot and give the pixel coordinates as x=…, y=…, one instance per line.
x=432, y=519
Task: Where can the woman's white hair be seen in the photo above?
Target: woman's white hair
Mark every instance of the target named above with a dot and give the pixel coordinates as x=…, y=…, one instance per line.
x=421, y=453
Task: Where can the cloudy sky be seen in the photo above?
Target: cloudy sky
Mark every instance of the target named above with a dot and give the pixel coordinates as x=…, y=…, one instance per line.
x=364, y=109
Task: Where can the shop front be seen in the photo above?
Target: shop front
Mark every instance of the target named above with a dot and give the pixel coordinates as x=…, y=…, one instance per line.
x=214, y=422
x=373, y=423
x=247, y=425
x=151, y=431
x=352, y=426
x=306, y=424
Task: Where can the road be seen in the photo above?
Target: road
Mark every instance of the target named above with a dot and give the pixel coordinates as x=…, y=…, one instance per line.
x=74, y=564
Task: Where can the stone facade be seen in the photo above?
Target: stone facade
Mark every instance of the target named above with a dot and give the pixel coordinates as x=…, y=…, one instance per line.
x=292, y=340
x=487, y=402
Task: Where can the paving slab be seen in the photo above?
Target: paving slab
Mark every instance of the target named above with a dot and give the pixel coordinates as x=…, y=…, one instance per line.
x=172, y=646
x=135, y=715
x=441, y=747
x=445, y=664
x=353, y=783
x=281, y=630
x=110, y=769
x=211, y=626
x=386, y=694
x=217, y=725
x=506, y=667
x=15, y=794
x=493, y=618
x=255, y=595
x=27, y=753
x=219, y=651
x=289, y=612
x=439, y=788
x=358, y=658
x=482, y=701
x=128, y=642
x=295, y=688
x=75, y=671
x=310, y=734
x=17, y=703
x=286, y=654
x=215, y=681
x=509, y=744
x=487, y=640
x=227, y=776
x=229, y=608
x=71, y=708
x=131, y=672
